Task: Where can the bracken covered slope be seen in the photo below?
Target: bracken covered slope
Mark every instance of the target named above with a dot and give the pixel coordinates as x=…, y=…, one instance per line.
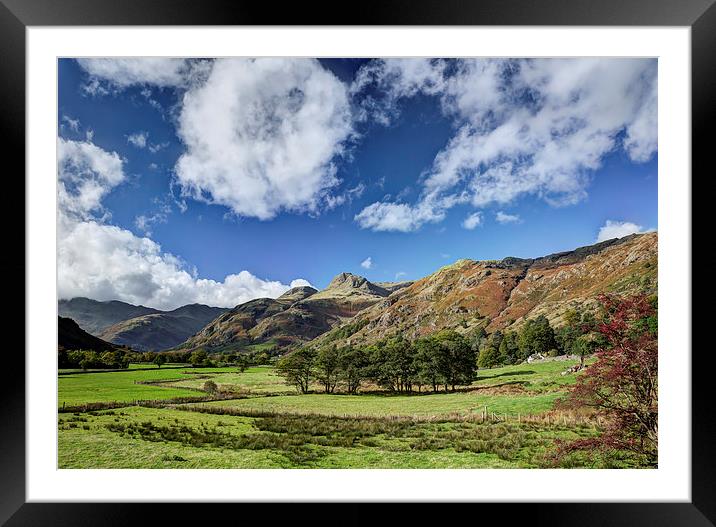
x=297, y=316
x=498, y=294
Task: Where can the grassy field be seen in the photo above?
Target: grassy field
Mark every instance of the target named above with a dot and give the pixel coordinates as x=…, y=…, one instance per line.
x=82, y=388
x=370, y=405
x=266, y=424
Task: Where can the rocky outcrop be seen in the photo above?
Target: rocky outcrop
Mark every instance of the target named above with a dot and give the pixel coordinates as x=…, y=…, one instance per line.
x=499, y=294
x=298, y=316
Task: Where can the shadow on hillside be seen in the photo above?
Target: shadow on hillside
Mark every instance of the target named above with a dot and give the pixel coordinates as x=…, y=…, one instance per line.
x=428, y=391
x=507, y=374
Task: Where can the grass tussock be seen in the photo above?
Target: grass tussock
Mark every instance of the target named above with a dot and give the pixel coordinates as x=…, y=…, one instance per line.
x=303, y=440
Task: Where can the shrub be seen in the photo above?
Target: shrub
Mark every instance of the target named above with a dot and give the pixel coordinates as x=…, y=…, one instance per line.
x=210, y=387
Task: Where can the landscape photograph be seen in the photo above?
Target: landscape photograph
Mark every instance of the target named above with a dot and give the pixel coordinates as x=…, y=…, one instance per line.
x=357, y=263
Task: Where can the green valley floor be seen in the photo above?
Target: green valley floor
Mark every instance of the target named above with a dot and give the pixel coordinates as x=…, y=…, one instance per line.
x=163, y=418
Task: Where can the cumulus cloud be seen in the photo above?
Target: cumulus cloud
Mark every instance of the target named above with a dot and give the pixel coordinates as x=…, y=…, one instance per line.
x=367, y=263
x=262, y=135
x=504, y=218
x=618, y=229
x=536, y=127
x=86, y=174
x=402, y=217
x=105, y=262
x=473, y=220
x=138, y=139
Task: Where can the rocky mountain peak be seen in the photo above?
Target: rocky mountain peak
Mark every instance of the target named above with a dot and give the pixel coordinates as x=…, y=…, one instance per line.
x=296, y=294
x=348, y=283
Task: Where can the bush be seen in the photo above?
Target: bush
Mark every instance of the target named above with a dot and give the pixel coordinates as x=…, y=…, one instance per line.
x=210, y=387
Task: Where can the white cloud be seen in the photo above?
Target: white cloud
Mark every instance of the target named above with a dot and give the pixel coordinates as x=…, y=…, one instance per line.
x=381, y=216
x=141, y=140
x=524, y=127
x=125, y=72
x=74, y=124
x=367, y=263
x=105, y=262
x=86, y=174
x=138, y=139
x=504, y=218
x=145, y=222
x=261, y=136
x=472, y=221
x=400, y=274
x=156, y=147
x=617, y=229
x=392, y=80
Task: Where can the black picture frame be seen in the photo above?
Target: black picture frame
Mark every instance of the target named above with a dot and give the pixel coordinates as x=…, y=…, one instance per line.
x=17, y=15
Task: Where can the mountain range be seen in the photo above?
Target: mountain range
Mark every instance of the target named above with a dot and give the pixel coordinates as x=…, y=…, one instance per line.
x=141, y=328
x=493, y=294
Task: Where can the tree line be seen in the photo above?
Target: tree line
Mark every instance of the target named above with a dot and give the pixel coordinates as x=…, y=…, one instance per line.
x=443, y=360
x=88, y=359
x=577, y=336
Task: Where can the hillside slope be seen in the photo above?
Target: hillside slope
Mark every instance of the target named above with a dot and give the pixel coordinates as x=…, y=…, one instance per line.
x=162, y=330
x=94, y=316
x=295, y=317
x=498, y=294
x=71, y=337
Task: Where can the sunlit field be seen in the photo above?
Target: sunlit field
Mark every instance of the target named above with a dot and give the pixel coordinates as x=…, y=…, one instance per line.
x=506, y=419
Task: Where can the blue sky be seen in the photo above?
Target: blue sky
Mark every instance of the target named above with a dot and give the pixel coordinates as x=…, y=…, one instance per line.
x=220, y=181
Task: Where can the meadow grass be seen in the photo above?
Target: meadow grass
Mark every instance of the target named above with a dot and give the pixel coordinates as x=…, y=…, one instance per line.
x=536, y=377
x=81, y=388
x=393, y=405
x=138, y=437
x=275, y=427
x=256, y=380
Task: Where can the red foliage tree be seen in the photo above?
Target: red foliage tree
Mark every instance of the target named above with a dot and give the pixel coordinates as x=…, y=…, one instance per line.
x=622, y=384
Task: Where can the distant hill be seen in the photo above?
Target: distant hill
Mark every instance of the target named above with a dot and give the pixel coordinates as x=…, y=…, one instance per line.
x=163, y=330
x=295, y=317
x=141, y=328
x=72, y=337
x=94, y=316
x=503, y=293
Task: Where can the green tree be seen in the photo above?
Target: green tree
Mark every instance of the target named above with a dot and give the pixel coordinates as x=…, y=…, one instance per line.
x=243, y=361
x=463, y=358
x=199, y=358
x=297, y=368
x=392, y=365
x=159, y=360
x=509, y=349
x=327, y=367
x=537, y=336
x=352, y=363
x=428, y=362
x=489, y=355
